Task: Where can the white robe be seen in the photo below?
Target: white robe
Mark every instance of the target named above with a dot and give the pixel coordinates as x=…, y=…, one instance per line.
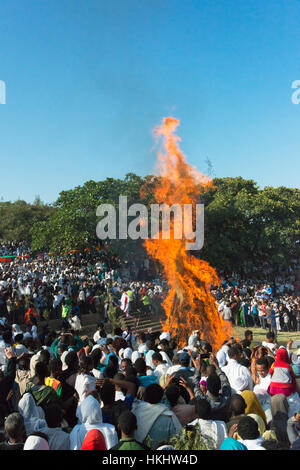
x=90, y=415
x=30, y=412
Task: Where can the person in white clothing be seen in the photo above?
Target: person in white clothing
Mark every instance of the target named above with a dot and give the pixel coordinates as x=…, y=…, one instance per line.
x=233, y=370
x=90, y=417
x=160, y=366
x=85, y=382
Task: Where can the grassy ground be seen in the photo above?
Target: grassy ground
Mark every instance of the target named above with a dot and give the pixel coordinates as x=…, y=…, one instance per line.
x=259, y=335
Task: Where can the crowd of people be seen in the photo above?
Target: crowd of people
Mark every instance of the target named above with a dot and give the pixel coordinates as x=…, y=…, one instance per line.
x=121, y=389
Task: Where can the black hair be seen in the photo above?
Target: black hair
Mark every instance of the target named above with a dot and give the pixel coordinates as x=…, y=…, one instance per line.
x=127, y=361
x=245, y=343
x=85, y=364
x=19, y=337
x=7, y=336
x=24, y=363
x=53, y=415
x=130, y=371
x=110, y=371
x=107, y=393
x=207, y=347
x=248, y=428
x=127, y=423
x=248, y=333
x=44, y=356
x=273, y=444
x=237, y=405
x=263, y=361
x=270, y=360
x=55, y=365
x=157, y=357
x=270, y=335
x=118, y=331
x=203, y=408
x=41, y=370
x=142, y=337
x=114, y=361
x=96, y=355
x=213, y=384
x=172, y=393
x=140, y=366
x=233, y=351
x=153, y=393
x=71, y=360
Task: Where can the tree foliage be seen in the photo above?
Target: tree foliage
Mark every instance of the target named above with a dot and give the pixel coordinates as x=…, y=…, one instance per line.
x=245, y=226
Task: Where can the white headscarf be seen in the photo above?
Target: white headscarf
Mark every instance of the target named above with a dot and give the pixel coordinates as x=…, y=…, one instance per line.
x=30, y=412
x=127, y=353
x=63, y=361
x=90, y=414
x=135, y=355
x=149, y=362
x=166, y=336
x=36, y=443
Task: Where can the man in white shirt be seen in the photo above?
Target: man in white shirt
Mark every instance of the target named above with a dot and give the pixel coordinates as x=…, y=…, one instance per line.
x=233, y=369
x=160, y=366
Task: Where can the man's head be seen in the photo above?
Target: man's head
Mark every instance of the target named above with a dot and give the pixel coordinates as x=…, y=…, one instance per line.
x=55, y=368
x=249, y=335
x=41, y=371
x=44, y=356
x=237, y=405
x=140, y=366
x=85, y=364
x=108, y=393
x=141, y=338
x=53, y=415
x=203, y=409
x=127, y=423
x=270, y=337
x=213, y=384
x=71, y=360
x=262, y=367
x=172, y=393
x=234, y=352
x=248, y=428
x=153, y=394
x=15, y=428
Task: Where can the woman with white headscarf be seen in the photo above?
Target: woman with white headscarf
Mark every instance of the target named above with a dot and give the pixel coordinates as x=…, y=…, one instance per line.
x=127, y=353
x=90, y=415
x=135, y=355
x=30, y=412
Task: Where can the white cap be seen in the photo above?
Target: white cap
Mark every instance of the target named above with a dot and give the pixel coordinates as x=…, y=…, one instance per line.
x=166, y=336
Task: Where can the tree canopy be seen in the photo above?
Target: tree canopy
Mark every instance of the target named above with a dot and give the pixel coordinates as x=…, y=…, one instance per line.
x=245, y=226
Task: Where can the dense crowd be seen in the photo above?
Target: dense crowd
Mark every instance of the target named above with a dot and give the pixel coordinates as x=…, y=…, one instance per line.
x=126, y=390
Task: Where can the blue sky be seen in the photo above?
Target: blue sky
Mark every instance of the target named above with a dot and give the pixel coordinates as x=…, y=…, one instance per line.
x=88, y=80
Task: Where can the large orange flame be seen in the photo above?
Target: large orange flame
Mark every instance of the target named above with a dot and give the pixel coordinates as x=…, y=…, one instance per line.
x=189, y=305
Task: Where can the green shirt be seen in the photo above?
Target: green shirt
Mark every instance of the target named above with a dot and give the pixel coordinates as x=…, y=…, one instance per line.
x=129, y=444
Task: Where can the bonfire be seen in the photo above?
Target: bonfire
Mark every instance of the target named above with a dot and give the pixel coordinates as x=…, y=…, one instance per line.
x=189, y=305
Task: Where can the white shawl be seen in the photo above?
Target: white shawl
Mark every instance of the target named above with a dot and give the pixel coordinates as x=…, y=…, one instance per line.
x=90, y=415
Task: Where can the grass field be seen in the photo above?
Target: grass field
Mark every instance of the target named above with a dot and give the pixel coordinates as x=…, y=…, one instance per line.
x=259, y=335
